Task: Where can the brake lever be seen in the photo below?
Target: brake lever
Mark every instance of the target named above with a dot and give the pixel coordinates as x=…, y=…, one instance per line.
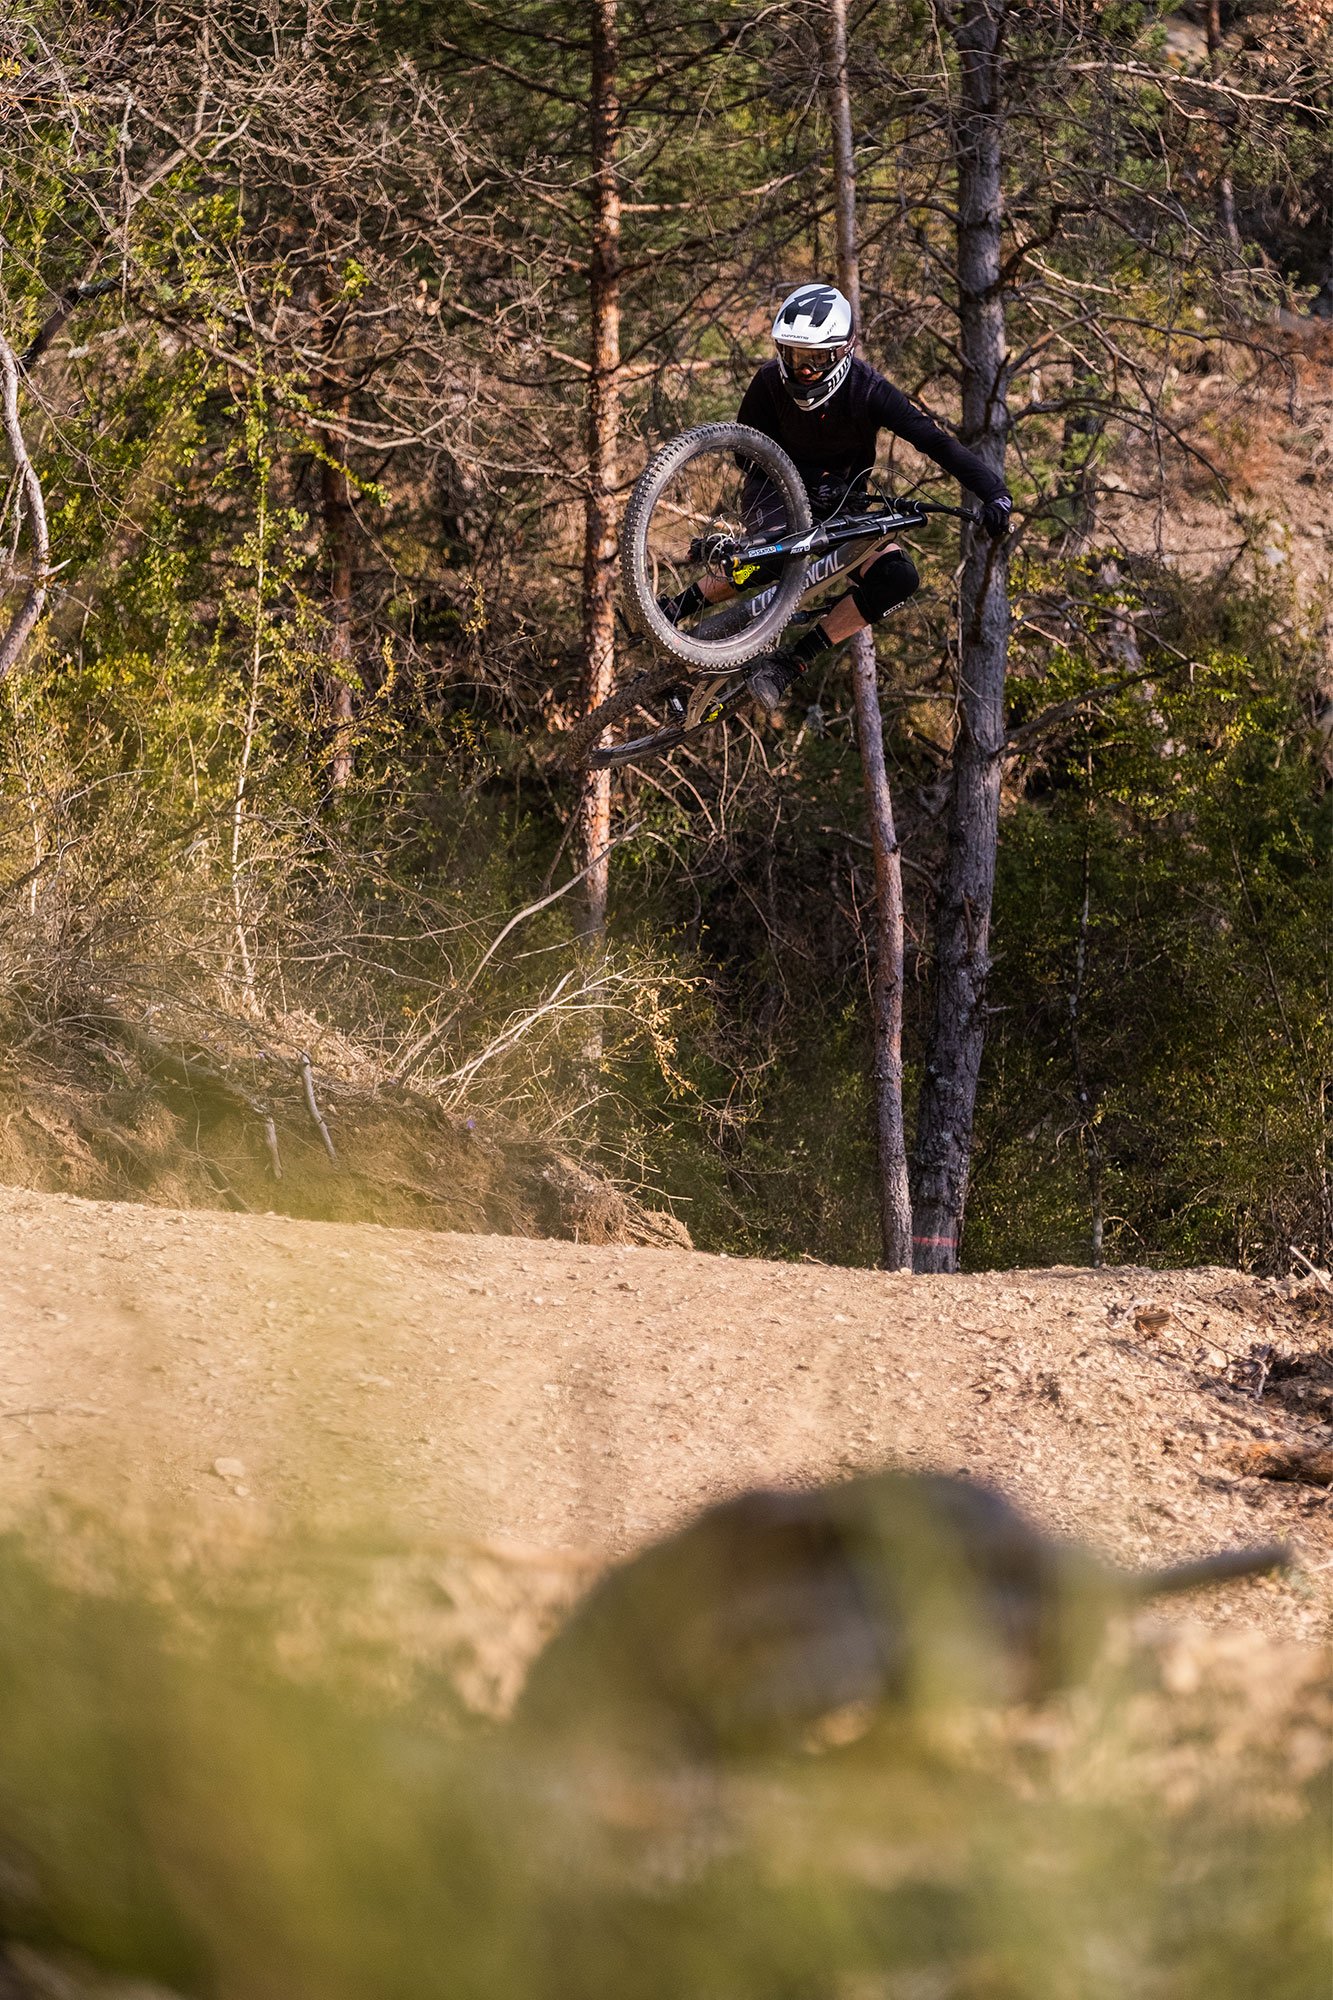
x=925, y=508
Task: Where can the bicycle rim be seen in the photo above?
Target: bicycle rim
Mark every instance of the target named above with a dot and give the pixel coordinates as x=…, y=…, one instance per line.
x=697, y=503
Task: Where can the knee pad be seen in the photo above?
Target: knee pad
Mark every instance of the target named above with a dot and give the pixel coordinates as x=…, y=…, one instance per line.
x=890, y=580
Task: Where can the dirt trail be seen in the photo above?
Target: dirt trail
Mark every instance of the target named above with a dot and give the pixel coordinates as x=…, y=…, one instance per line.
x=568, y=1398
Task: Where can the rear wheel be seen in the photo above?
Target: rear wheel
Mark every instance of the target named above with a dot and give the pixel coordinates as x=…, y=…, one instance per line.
x=634, y=700
x=629, y=726
x=704, y=493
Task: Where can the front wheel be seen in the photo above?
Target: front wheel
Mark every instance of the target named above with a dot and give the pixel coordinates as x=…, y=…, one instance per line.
x=703, y=494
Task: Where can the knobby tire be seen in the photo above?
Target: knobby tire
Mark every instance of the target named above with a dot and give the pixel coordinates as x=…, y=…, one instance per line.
x=634, y=693
x=637, y=581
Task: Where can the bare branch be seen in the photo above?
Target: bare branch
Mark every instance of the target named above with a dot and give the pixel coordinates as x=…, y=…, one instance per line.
x=28, y=613
x=55, y=320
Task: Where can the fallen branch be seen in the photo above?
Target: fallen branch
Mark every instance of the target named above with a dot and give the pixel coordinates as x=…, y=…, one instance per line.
x=1303, y=1465
x=192, y=1074
x=53, y=1410
x=25, y=618
x=1311, y=1267
x=308, y=1079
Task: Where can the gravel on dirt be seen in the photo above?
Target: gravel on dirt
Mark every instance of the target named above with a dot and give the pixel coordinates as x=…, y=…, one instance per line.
x=550, y=1397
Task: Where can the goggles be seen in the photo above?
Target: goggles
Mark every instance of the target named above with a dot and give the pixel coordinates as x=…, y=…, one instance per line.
x=811, y=364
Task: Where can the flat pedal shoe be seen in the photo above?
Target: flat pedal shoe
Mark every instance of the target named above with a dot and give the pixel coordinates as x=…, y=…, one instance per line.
x=769, y=679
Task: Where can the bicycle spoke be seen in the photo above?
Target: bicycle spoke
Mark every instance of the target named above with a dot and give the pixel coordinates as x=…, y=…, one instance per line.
x=687, y=580
x=714, y=501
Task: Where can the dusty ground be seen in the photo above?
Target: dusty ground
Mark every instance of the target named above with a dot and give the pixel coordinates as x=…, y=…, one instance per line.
x=419, y=1447
x=231, y=1380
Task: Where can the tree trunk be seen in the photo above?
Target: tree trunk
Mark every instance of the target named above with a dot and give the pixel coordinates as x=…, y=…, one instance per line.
x=962, y=921
x=339, y=531
x=1085, y=1106
x=844, y=160
x=895, y=1200
x=1226, y=192
x=895, y=1207
x=603, y=424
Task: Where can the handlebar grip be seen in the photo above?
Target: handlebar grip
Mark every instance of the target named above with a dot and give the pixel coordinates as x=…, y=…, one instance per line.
x=941, y=507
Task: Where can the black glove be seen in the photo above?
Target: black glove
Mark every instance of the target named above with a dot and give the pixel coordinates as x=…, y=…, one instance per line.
x=995, y=517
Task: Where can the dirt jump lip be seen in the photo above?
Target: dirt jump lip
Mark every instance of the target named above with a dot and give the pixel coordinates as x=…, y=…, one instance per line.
x=576, y=1398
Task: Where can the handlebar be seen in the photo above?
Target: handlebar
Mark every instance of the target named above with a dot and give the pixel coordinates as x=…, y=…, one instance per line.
x=879, y=513
x=959, y=513
x=927, y=507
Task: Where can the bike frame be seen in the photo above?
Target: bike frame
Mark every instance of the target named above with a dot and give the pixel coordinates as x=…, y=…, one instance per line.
x=833, y=562
x=832, y=546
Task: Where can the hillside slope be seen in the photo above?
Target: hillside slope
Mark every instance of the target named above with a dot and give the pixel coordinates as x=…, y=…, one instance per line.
x=493, y=1417
x=1246, y=494
x=186, y=1107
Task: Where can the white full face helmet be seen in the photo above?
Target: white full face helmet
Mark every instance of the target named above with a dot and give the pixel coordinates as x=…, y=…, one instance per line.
x=814, y=337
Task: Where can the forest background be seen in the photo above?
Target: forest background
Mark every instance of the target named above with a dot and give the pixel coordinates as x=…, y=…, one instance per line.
x=299, y=304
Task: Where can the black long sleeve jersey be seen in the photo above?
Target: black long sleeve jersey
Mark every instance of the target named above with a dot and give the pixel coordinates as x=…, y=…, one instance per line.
x=833, y=448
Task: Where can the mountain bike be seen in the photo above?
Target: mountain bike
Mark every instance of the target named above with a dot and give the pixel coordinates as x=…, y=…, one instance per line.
x=723, y=508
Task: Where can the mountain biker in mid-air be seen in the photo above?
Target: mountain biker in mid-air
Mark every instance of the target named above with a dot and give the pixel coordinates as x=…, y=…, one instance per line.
x=826, y=408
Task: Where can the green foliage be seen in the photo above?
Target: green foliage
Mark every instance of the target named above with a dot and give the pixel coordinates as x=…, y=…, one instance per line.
x=366, y=271
x=1190, y=807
